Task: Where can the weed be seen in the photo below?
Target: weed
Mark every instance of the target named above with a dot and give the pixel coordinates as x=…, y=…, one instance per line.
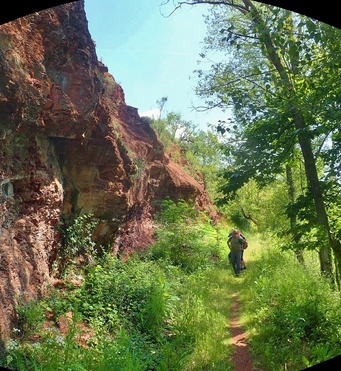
x=30, y=318
x=168, y=309
x=293, y=313
x=77, y=243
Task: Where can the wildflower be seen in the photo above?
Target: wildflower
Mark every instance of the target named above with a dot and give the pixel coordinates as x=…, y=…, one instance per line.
x=12, y=345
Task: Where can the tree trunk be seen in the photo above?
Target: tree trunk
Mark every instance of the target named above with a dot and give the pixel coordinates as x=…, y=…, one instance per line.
x=291, y=194
x=315, y=188
x=303, y=138
x=337, y=274
x=336, y=245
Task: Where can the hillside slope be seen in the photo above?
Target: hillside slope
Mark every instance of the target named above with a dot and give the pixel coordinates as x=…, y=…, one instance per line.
x=70, y=145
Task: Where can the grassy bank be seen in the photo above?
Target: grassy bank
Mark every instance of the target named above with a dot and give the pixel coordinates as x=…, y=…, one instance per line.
x=292, y=313
x=161, y=320
x=169, y=309
x=166, y=309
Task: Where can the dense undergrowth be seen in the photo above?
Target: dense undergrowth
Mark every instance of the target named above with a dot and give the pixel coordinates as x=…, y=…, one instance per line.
x=291, y=312
x=158, y=310
x=169, y=308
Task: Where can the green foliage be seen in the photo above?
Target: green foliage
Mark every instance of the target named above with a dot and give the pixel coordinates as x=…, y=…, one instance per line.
x=275, y=60
x=307, y=234
x=125, y=352
x=181, y=238
x=292, y=310
x=141, y=314
x=152, y=315
x=51, y=351
x=139, y=169
x=30, y=317
x=57, y=302
x=319, y=354
x=202, y=320
x=206, y=157
x=271, y=78
x=259, y=209
x=77, y=242
x=173, y=130
x=130, y=293
x=238, y=219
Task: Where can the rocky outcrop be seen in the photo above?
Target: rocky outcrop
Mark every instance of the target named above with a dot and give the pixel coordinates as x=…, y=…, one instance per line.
x=70, y=145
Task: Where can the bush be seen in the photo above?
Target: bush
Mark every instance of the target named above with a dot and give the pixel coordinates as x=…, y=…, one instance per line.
x=293, y=310
x=130, y=293
x=141, y=314
x=184, y=237
x=30, y=317
x=77, y=243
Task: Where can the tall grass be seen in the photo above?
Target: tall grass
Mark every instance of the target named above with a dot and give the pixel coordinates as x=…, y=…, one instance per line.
x=293, y=313
x=211, y=294
x=163, y=311
x=156, y=311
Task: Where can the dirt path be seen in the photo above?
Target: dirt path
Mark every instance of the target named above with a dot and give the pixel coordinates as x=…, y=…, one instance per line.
x=241, y=357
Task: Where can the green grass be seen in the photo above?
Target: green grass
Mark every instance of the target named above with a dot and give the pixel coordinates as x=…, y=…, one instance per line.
x=163, y=312
x=193, y=333
x=212, y=297
x=292, y=313
x=157, y=311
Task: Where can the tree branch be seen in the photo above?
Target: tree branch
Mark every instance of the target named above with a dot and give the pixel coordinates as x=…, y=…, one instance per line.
x=209, y=107
x=322, y=144
x=248, y=216
x=179, y=4
x=244, y=36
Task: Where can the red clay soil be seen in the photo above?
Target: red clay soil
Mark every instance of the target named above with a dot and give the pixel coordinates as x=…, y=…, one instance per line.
x=241, y=357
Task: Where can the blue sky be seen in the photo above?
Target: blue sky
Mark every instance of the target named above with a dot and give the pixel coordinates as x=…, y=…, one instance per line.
x=149, y=55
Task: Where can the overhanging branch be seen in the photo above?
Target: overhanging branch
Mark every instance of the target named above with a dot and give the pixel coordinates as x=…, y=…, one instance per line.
x=179, y=4
x=249, y=217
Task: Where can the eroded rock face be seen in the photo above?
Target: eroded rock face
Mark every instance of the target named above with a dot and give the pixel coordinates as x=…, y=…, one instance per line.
x=70, y=145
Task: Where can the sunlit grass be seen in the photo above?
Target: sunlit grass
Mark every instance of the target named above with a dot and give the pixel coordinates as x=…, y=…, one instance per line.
x=212, y=347
x=287, y=309
x=156, y=314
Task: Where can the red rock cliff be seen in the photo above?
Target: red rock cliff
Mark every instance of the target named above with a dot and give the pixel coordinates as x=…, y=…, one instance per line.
x=69, y=144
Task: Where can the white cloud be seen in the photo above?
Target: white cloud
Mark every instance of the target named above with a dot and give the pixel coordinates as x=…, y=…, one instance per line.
x=153, y=114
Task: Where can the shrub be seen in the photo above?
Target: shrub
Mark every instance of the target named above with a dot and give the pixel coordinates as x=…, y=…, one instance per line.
x=30, y=317
x=293, y=310
x=183, y=239
x=130, y=293
x=142, y=314
x=77, y=242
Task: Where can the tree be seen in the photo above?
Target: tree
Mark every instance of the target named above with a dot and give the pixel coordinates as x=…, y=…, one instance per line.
x=281, y=94
x=180, y=130
x=206, y=157
x=161, y=104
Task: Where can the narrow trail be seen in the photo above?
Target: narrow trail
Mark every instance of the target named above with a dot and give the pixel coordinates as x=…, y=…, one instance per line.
x=241, y=356
x=241, y=349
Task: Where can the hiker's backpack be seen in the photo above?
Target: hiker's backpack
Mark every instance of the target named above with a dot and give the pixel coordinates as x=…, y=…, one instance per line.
x=245, y=243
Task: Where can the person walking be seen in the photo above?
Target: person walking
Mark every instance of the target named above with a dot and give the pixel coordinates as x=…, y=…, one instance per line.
x=245, y=245
x=235, y=242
